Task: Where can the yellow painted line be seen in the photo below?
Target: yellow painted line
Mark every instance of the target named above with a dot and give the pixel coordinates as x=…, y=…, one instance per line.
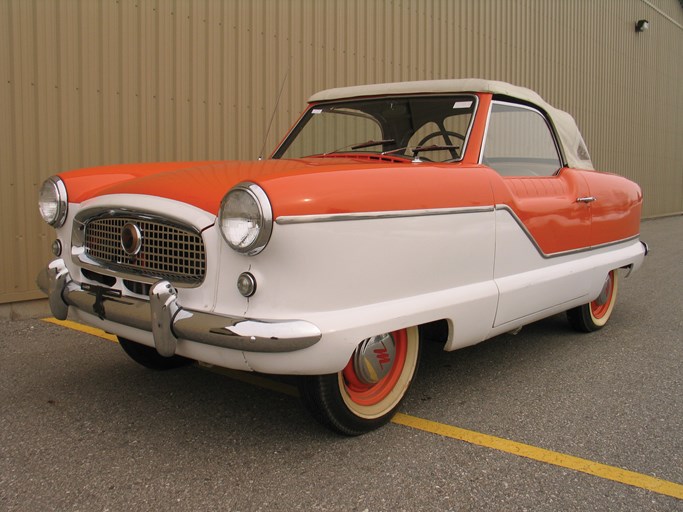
x=255, y=380
x=82, y=328
x=563, y=460
x=542, y=455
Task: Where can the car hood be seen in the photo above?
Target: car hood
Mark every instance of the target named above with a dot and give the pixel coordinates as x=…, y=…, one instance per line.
x=202, y=184
x=295, y=187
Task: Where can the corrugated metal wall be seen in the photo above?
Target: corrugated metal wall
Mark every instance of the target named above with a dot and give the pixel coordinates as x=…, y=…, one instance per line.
x=91, y=82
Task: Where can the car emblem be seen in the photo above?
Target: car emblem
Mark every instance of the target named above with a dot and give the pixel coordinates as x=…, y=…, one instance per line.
x=131, y=239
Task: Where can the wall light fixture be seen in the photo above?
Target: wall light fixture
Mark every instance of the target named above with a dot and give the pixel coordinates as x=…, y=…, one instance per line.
x=642, y=25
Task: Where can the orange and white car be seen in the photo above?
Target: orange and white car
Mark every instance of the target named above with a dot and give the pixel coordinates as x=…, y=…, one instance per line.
x=459, y=208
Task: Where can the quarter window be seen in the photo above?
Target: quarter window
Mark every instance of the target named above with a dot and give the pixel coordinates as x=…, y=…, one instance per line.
x=519, y=142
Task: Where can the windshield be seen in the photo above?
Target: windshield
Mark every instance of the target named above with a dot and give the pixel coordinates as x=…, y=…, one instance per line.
x=435, y=128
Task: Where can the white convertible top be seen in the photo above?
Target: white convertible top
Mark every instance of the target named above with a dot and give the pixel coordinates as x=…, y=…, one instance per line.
x=573, y=146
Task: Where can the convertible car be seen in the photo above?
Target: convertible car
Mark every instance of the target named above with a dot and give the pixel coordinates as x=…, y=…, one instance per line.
x=453, y=209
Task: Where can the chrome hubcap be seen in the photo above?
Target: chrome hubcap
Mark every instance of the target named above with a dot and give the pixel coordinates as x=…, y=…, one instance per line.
x=374, y=357
x=604, y=294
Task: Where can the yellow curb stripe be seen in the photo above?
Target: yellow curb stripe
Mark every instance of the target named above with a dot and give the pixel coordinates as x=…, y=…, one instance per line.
x=82, y=328
x=539, y=454
x=590, y=467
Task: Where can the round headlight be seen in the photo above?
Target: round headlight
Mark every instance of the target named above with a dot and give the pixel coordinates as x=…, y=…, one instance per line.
x=52, y=201
x=246, y=218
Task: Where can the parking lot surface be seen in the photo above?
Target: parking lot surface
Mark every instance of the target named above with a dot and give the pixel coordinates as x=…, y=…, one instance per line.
x=82, y=427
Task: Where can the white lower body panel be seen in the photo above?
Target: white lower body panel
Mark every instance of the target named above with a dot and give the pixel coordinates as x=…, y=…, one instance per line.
x=533, y=286
x=354, y=280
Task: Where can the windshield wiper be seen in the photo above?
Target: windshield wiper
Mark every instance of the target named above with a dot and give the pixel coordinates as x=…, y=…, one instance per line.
x=371, y=143
x=417, y=149
x=434, y=147
x=363, y=145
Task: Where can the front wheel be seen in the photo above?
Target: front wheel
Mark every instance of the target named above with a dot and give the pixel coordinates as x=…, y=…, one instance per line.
x=594, y=315
x=367, y=392
x=149, y=357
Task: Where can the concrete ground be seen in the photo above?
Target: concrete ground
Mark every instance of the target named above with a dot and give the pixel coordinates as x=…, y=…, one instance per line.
x=82, y=427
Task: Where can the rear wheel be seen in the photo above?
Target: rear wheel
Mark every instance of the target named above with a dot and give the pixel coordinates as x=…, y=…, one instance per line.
x=367, y=392
x=594, y=315
x=149, y=357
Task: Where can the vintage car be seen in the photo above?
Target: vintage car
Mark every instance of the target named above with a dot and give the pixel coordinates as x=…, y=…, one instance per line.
x=458, y=209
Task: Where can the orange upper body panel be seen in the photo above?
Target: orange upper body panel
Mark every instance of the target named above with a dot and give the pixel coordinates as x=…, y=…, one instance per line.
x=546, y=206
x=548, y=209
x=550, y=212
x=90, y=182
x=379, y=188
x=615, y=213
x=202, y=184
x=295, y=187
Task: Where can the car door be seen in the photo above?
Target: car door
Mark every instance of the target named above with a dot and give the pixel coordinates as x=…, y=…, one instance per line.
x=542, y=220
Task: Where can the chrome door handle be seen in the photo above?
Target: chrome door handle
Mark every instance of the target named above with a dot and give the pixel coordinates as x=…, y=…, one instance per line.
x=588, y=199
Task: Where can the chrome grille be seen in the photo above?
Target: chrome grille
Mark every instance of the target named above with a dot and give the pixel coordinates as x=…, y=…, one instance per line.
x=167, y=251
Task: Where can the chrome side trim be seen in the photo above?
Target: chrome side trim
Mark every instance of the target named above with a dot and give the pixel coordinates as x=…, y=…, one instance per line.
x=504, y=207
x=164, y=316
x=340, y=217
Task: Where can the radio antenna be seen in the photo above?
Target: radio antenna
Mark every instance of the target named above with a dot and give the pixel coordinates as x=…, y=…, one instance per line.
x=272, y=117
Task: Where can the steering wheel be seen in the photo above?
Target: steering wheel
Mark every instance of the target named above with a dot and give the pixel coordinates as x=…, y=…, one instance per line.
x=445, y=134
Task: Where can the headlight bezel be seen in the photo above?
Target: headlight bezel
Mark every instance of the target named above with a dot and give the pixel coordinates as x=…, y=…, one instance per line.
x=264, y=221
x=62, y=204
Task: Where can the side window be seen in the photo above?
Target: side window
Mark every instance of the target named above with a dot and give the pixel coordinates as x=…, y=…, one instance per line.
x=519, y=142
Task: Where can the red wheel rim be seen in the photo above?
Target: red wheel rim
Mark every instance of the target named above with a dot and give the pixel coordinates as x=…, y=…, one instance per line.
x=371, y=394
x=599, y=310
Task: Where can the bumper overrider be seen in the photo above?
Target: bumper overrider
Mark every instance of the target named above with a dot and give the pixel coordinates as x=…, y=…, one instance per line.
x=168, y=321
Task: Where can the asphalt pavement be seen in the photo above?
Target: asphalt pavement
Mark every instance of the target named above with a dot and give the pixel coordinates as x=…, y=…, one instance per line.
x=82, y=427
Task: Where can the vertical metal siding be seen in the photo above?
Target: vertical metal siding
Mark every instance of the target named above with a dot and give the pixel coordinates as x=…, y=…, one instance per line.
x=93, y=82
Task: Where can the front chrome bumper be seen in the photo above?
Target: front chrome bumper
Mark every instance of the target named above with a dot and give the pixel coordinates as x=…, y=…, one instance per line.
x=168, y=321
